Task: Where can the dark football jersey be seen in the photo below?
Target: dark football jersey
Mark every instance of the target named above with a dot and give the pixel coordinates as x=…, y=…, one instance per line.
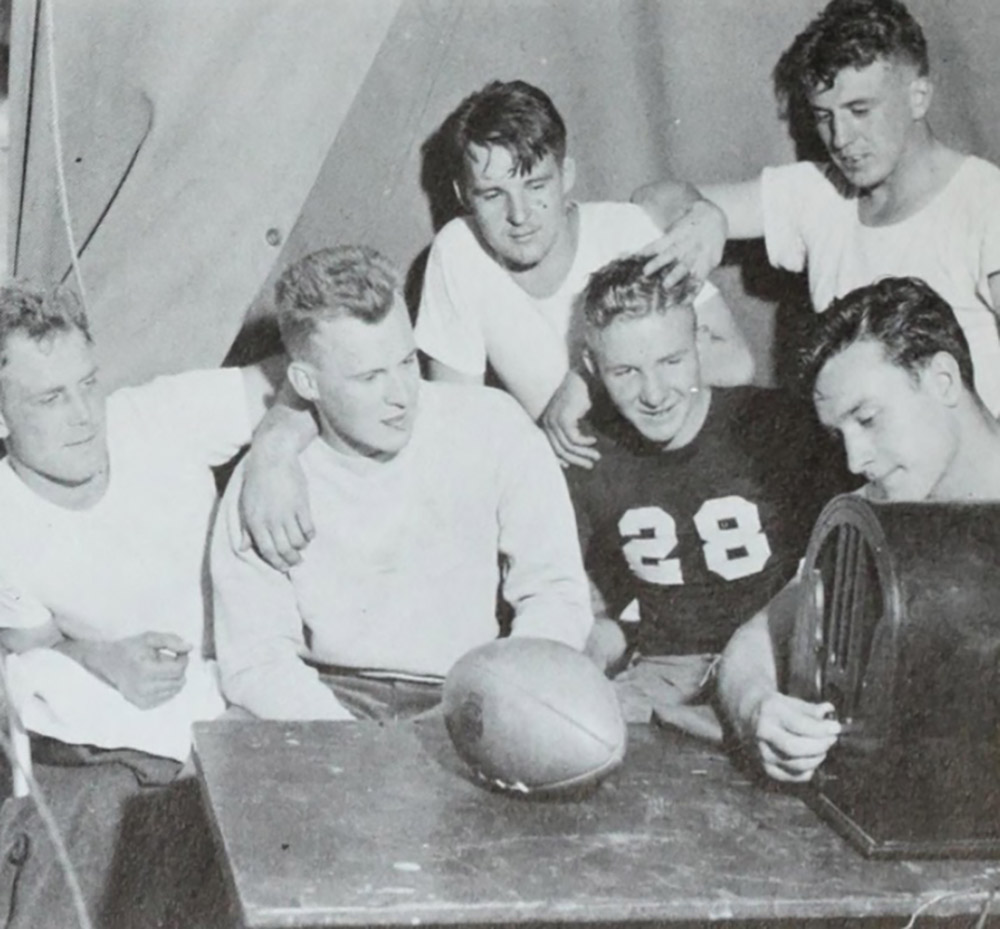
x=703, y=536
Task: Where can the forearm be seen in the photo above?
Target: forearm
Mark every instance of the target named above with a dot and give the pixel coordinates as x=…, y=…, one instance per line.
x=18, y=640
x=286, y=429
x=546, y=583
x=259, y=634
x=281, y=688
x=557, y=614
x=666, y=201
x=96, y=657
x=90, y=654
x=259, y=642
x=747, y=674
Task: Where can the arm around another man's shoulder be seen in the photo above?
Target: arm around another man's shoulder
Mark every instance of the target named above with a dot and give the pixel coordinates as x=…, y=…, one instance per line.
x=202, y=414
x=697, y=221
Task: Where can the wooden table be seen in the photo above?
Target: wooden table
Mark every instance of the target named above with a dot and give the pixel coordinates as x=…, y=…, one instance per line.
x=365, y=824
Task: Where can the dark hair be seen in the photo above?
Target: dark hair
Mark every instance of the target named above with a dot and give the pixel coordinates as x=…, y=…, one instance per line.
x=514, y=115
x=848, y=34
x=37, y=313
x=907, y=317
x=622, y=289
x=349, y=280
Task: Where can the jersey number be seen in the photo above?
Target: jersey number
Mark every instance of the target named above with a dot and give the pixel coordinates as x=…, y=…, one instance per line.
x=733, y=542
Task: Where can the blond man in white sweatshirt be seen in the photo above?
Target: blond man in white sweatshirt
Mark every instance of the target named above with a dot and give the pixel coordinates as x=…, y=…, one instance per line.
x=424, y=497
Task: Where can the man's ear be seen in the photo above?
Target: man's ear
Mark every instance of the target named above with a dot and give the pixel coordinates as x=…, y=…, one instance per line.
x=459, y=196
x=4, y=428
x=588, y=361
x=302, y=377
x=943, y=376
x=921, y=92
x=568, y=174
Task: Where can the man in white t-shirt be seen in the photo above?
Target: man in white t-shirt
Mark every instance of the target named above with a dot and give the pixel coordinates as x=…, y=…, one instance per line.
x=425, y=497
x=889, y=369
x=106, y=502
x=501, y=280
x=892, y=200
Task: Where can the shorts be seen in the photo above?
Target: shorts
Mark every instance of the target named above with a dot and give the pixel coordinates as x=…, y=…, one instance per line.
x=383, y=698
x=674, y=690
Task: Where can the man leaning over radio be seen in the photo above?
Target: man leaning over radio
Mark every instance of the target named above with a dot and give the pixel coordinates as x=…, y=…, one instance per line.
x=890, y=371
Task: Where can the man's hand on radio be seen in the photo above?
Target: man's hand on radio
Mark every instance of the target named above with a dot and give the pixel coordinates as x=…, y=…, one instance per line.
x=793, y=736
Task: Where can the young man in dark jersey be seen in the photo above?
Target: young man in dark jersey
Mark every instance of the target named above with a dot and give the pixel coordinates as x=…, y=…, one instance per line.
x=700, y=505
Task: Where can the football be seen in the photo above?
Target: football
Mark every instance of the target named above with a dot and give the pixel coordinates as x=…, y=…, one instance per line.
x=533, y=716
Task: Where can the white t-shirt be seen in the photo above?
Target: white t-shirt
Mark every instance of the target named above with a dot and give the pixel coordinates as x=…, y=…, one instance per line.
x=133, y=562
x=473, y=312
x=403, y=571
x=953, y=243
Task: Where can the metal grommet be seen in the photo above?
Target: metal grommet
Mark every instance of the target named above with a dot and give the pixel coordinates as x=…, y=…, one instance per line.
x=273, y=236
x=17, y=854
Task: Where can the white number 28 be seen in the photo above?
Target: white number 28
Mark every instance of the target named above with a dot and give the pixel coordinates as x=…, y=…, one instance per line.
x=733, y=542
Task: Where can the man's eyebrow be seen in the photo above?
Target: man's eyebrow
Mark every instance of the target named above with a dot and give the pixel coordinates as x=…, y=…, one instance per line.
x=853, y=411
x=480, y=188
x=46, y=391
x=366, y=372
x=854, y=101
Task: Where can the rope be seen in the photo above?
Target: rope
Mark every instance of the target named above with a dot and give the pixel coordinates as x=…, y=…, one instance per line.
x=50, y=55
x=973, y=894
x=49, y=821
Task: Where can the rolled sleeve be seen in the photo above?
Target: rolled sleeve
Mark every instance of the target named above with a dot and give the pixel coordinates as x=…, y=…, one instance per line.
x=203, y=412
x=448, y=328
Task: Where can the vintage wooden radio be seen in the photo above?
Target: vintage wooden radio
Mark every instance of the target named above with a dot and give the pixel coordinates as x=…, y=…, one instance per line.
x=899, y=628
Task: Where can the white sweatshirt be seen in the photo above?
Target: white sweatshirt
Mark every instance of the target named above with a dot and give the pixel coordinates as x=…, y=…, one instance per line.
x=404, y=569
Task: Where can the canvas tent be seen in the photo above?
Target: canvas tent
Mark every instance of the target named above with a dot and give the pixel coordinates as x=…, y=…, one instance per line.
x=205, y=144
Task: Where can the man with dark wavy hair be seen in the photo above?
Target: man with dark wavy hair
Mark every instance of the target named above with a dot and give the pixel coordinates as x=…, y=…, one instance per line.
x=890, y=371
x=891, y=199
x=502, y=278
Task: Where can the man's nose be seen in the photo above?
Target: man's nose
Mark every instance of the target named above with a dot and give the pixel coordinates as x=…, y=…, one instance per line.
x=652, y=391
x=396, y=389
x=859, y=453
x=517, y=209
x=81, y=409
x=842, y=132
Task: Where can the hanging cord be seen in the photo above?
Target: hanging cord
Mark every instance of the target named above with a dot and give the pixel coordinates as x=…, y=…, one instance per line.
x=24, y=773
x=984, y=915
x=49, y=821
x=50, y=55
x=972, y=894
